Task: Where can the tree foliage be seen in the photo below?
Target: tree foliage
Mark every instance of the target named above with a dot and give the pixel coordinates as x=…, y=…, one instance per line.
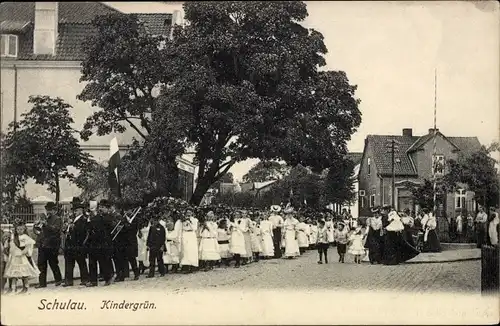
x=477, y=172
x=339, y=183
x=141, y=176
x=423, y=195
x=43, y=143
x=240, y=81
x=265, y=171
x=11, y=179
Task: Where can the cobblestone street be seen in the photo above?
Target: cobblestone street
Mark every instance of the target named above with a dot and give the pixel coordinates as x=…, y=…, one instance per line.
x=304, y=272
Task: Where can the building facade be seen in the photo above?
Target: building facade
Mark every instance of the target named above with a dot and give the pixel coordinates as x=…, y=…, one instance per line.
x=41, y=54
x=414, y=157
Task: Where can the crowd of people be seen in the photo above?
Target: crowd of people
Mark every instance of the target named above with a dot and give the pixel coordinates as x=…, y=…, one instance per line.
x=107, y=241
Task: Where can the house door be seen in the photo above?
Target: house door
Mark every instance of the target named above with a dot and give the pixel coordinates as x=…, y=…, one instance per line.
x=405, y=200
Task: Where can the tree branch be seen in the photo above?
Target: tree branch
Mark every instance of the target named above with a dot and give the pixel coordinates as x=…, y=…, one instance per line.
x=134, y=127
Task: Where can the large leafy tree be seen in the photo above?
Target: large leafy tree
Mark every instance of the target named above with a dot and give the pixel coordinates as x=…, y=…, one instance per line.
x=43, y=143
x=477, y=172
x=241, y=81
x=265, y=171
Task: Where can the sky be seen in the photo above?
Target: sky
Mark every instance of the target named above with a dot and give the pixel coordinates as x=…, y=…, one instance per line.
x=393, y=50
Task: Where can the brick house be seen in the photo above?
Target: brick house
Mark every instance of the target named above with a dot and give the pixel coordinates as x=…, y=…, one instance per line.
x=41, y=54
x=413, y=163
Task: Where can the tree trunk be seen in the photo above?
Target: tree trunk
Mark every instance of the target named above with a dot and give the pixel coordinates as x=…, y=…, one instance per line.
x=200, y=191
x=58, y=190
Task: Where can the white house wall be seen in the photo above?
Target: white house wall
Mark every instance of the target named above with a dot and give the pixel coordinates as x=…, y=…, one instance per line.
x=57, y=79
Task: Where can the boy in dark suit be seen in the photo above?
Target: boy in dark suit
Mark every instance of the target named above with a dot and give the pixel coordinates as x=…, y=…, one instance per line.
x=156, y=247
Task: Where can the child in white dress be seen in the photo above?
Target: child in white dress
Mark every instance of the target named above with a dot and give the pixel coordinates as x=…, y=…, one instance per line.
x=209, y=247
x=171, y=257
x=223, y=236
x=266, y=229
x=143, y=254
x=255, y=236
x=302, y=235
x=237, y=240
x=18, y=265
x=290, y=235
x=313, y=234
x=357, y=248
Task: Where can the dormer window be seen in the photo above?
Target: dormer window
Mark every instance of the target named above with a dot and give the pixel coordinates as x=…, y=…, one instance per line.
x=9, y=45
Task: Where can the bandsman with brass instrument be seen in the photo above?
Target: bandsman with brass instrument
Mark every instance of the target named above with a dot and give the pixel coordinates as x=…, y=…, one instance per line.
x=125, y=245
x=48, y=231
x=74, y=233
x=99, y=244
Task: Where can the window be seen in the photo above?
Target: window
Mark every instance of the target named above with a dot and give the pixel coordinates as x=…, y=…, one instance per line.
x=460, y=198
x=362, y=193
x=438, y=164
x=362, y=201
x=372, y=201
x=9, y=46
x=369, y=166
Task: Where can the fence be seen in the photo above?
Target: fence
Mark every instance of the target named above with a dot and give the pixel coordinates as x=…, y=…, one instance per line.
x=27, y=214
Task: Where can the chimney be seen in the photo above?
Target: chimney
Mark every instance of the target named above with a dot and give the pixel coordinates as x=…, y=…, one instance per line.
x=46, y=25
x=431, y=130
x=408, y=132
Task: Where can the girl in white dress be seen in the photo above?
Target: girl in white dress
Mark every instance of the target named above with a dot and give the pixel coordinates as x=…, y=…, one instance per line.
x=266, y=229
x=209, y=247
x=290, y=235
x=172, y=255
x=330, y=229
x=237, y=240
x=313, y=234
x=302, y=235
x=223, y=236
x=186, y=228
x=142, y=252
x=256, y=237
x=18, y=265
x=245, y=228
x=357, y=249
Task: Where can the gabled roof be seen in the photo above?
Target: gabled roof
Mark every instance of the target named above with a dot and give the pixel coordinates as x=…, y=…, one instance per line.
x=424, y=139
x=75, y=26
x=406, y=145
x=68, y=12
x=382, y=156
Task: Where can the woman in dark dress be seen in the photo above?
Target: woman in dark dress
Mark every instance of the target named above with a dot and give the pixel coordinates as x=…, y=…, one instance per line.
x=396, y=249
x=408, y=224
x=431, y=240
x=374, y=238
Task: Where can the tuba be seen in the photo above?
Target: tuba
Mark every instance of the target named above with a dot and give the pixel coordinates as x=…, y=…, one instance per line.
x=38, y=225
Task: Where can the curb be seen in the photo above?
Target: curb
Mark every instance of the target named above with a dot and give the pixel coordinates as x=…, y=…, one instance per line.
x=443, y=261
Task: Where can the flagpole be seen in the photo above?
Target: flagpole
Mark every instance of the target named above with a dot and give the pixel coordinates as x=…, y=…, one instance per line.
x=434, y=209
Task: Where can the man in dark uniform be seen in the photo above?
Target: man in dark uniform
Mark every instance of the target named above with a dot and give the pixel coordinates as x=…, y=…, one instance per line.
x=49, y=242
x=125, y=248
x=74, y=248
x=100, y=244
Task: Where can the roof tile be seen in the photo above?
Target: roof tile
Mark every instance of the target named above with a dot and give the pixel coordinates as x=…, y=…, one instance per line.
x=404, y=165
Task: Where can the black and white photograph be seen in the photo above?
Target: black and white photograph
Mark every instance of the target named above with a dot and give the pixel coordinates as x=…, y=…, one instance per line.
x=250, y=162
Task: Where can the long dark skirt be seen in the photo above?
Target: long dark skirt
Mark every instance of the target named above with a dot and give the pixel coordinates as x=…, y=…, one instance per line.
x=407, y=234
x=396, y=249
x=432, y=244
x=374, y=244
x=277, y=242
